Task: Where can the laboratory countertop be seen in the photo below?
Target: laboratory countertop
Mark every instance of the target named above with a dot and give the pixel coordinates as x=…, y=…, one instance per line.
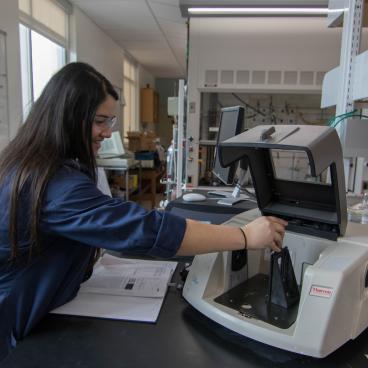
x=181, y=338
x=208, y=209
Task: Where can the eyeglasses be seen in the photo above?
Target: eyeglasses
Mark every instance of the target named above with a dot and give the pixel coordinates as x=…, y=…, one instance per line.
x=106, y=121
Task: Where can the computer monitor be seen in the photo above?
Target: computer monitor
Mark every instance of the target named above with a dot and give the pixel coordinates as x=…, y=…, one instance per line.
x=112, y=147
x=231, y=123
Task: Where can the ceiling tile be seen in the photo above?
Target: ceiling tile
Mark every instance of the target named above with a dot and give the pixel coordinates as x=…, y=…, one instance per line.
x=166, y=2
x=173, y=29
x=152, y=31
x=144, y=45
x=134, y=36
x=170, y=12
x=119, y=14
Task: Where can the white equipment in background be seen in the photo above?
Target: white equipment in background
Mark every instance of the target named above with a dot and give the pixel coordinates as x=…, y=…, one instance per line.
x=113, y=154
x=102, y=182
x=112, y=146
x=313, y=296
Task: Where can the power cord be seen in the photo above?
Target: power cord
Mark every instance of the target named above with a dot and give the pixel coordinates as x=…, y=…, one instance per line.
x=334, y=121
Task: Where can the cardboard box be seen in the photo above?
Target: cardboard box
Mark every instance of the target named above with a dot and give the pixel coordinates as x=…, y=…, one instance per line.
x=119, y=181
x=139, y=141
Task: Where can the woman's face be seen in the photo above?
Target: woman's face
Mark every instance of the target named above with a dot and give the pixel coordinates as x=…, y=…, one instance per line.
x=103, y=122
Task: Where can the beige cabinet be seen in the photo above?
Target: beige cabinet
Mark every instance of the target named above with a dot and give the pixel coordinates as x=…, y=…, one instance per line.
x=149, y=105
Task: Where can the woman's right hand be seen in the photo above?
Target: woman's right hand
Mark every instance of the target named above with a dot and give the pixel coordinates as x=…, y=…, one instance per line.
x=265, y=232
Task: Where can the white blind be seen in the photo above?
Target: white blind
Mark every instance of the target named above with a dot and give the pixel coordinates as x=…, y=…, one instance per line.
x=48, y=17
x=130, y=96
x=25, y=6
x=130, y=70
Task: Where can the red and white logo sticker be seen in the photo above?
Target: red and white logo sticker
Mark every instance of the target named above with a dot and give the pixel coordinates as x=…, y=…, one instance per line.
x=321, y=291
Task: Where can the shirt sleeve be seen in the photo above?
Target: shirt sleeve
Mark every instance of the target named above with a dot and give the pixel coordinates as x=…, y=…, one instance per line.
x=75, y=209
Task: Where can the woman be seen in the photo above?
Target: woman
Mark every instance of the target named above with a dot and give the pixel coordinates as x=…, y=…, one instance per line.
x=53, y=218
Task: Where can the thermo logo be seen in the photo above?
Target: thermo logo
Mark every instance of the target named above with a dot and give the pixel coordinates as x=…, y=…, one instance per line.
x=321, y=291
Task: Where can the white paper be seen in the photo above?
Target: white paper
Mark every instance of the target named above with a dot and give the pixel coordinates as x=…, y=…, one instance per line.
x=129, y=277
x=113, y=307
x=104, y=295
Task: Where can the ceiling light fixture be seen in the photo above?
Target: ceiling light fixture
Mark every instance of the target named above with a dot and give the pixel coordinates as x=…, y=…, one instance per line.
x=254, y=8
x=238, y=11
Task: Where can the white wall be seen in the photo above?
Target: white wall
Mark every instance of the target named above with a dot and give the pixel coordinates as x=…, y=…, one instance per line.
x=9, y=23
x=145, y=78
x=93, y=46
x=259, y=44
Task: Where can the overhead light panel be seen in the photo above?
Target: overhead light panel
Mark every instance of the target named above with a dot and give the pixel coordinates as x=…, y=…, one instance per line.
x=194, y=11
x=243, y=8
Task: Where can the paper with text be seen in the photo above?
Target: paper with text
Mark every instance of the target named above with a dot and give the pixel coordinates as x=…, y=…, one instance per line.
x=120, y=288
x=129, y=277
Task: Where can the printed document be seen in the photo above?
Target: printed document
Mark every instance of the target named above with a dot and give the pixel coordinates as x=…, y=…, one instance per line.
x=122, y=288
x=118, y=276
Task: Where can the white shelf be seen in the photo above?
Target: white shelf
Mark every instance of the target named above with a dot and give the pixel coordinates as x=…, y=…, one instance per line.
x=353, y=133
x=330, y=88
x=335, y=15
x=332, y=82
x=360, y=77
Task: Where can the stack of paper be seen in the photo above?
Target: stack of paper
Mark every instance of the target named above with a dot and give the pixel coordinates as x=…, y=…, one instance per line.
x=121, y=288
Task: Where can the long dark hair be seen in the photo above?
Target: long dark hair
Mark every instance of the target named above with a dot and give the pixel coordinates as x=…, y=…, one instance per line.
x=57, y=129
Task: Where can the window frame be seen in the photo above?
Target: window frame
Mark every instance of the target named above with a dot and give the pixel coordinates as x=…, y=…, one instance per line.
x=33, y=25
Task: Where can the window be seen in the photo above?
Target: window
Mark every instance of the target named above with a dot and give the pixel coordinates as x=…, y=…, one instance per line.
x=43, y=43
x=131, y=97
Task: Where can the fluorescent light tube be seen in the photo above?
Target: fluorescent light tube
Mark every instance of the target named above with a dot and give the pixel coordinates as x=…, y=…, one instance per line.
x=258, y=11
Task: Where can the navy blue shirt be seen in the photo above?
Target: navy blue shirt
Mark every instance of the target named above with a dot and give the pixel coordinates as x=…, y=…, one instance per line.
x=76, y=219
